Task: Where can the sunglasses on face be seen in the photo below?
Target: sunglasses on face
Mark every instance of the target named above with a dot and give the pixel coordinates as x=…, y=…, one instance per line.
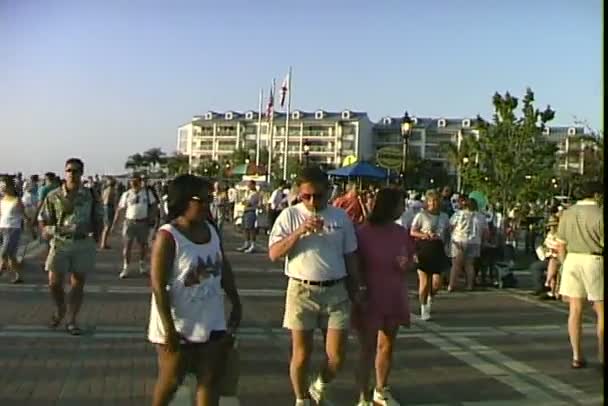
x=73, y=170
x=308, y=196
x=205, y=199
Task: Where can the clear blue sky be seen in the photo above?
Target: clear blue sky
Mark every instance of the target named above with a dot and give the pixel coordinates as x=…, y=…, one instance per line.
x=102, y=79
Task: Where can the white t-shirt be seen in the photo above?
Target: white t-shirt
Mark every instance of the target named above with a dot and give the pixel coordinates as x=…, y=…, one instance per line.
x=425, y=222
x=252, y=199
x=276, y=199
x=318, y=256
x=10, y=215
x=468, y=226
x=136, y=203
x=195, y=290
x=232, y=195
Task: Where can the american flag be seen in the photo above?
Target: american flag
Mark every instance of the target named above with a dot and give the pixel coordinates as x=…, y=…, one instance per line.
x=270, y=106
x=284, y=90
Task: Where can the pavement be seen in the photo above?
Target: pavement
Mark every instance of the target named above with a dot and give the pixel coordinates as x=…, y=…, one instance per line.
x=487, y=347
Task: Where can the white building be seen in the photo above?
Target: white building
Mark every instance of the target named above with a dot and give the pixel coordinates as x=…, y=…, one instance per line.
x=332, y=136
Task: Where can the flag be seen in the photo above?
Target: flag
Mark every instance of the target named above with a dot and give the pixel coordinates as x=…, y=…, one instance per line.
x=284, y=90
x=270, y=106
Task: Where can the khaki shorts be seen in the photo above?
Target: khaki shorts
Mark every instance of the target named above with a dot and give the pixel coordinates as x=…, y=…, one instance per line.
x=71, y=256
x=311, y=307
x=583, y=277
x=136, y=230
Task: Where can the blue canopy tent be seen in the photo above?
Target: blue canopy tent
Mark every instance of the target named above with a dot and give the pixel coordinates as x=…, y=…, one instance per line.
x=360, y=170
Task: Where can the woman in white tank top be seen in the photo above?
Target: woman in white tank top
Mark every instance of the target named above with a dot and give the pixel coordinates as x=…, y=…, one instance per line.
x=189, y=277
x=12, y=215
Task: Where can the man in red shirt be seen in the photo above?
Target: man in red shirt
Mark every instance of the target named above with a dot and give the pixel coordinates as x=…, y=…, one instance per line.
x=351, y=203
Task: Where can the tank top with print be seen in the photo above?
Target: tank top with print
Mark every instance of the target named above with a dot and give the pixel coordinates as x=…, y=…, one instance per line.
x=194, y=288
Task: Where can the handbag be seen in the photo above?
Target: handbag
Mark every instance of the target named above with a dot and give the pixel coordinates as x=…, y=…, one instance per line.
x=229, y=378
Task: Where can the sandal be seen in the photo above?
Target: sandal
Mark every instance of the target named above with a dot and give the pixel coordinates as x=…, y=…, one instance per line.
x=578, y=363
x=56, y=319
x=73, y=329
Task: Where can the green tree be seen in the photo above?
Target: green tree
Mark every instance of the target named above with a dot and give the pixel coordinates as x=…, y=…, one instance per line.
x=239, y=156
x=135, y=162
x=511, y=161
x=177, y=164
x=154, y=157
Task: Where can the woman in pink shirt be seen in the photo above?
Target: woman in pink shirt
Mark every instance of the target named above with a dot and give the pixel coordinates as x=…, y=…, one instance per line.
x=386, y=251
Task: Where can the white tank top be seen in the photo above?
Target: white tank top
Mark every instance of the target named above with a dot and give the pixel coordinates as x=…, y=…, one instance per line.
x=194, y=288
x=10, y=215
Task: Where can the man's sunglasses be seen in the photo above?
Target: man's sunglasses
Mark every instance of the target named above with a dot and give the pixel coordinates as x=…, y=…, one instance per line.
x=202, y=200
x=308, y=196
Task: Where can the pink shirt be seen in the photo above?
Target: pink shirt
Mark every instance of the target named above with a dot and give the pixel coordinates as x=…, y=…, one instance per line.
x=379, y=247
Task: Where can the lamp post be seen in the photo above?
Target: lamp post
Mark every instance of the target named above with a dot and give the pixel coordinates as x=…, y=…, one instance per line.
x=406, y=131
x=465, y=161
x=306, y=147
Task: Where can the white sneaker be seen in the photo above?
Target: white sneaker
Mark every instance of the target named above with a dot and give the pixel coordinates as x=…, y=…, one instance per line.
x=124, y=273
x=303, y=402
x=243, y=247
x=385, y=398
x=250, y=249
x=318, y=391
x=429, y=301
x=425, y=312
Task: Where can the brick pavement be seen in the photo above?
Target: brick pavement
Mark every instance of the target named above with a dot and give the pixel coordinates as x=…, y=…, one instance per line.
x=487, y=347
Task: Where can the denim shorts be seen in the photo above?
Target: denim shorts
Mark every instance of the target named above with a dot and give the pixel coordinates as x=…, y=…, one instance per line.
x=249, y=218
x=9, y=242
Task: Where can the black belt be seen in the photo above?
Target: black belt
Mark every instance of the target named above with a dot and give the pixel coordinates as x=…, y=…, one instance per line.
x=318, y=283
x=137, y=220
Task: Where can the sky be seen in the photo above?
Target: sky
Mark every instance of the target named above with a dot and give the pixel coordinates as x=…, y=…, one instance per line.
x=104, y=79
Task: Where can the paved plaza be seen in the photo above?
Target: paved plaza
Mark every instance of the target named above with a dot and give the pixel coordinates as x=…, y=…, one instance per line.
x=485, y=347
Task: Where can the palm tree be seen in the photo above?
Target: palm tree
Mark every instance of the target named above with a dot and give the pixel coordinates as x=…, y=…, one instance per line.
x=154, y=157
x=135, y=162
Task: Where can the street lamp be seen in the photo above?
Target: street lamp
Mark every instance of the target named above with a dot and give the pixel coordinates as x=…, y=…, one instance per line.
x=306, y=147
x=406, y=131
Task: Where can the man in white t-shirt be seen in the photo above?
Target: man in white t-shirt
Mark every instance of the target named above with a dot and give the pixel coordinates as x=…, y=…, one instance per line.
x=135, y=204
x=276, y=203
x=318, y=243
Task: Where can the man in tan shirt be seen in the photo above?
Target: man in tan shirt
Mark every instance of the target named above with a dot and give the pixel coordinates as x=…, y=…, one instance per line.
x=580, y=238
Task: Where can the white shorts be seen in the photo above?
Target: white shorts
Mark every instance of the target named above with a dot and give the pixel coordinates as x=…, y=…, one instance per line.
x=583, y=277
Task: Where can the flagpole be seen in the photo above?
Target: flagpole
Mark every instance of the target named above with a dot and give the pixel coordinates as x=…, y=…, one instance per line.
x=286, y=148
x=270, y=132
x=259, y=134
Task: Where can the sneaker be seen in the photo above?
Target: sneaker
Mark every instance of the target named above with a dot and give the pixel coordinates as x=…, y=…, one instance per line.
x=425, y=312
x=384, y=398
x=429, y=301
x=243, y=247
x=303, y=402
x=318, y=391
x=250, y=249
x=124, y=273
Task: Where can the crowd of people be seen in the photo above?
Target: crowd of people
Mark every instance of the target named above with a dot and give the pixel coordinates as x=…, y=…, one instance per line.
x=346, y=257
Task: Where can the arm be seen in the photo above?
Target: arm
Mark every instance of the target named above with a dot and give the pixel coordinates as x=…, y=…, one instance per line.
x=283, y=238
x=415, y=229
x=163, y=255
x=280, y=249
x=229, y=286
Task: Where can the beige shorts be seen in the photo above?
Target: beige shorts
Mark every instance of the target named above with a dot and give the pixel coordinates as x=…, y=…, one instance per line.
x=72, y=256
x=583, y=277
x=136, y=231
x=311, y=307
